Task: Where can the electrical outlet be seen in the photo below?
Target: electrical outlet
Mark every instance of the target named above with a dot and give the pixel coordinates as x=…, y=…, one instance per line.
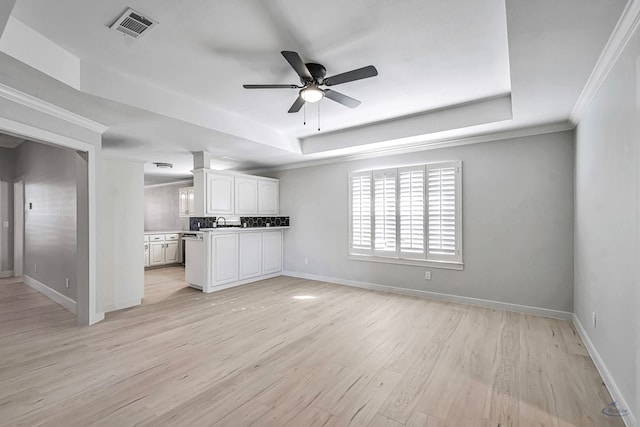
x=595, y=319
x=427, y=275
x=66, y=283
x=35, y=268
x=306, y=261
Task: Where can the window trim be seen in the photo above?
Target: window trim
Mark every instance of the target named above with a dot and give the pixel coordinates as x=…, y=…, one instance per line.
x=399, y=257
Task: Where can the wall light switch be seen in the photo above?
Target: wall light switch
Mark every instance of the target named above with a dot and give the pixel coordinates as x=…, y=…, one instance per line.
x=306, y=261
x=5, y=224
x=35, y=268
x=66, y=283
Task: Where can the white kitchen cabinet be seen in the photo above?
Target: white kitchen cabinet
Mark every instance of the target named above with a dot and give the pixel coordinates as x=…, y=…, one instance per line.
x=171, y=253
x=250, y=255
x=246, y=197
x=186, y=198
x=146, y=251
x=268, y=196
x=219, y=194
x=271, y=252
x=224, y=259
x=156, y=253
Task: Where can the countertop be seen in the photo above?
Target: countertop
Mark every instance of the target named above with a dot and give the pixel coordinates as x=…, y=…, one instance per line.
x=168, y=232
x=238, y=229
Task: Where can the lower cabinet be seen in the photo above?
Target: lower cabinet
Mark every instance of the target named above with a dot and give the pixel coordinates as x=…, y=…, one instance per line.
x=162, y=249
x=250, y=255
x=271, y=252
x=224, y=257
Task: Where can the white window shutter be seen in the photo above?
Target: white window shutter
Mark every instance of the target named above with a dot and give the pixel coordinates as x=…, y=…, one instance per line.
x=411, y=194
x=444, y=211
x=385, y=212
x=361, y=213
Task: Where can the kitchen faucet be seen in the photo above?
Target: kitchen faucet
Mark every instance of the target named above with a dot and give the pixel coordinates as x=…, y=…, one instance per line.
x=219, y=218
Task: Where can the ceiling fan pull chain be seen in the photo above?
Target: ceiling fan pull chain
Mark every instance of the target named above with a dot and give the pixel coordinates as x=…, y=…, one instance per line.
x=305, y=113
x=318, y=117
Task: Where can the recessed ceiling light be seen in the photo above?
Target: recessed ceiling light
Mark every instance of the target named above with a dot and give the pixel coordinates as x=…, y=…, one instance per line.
x=163, y=165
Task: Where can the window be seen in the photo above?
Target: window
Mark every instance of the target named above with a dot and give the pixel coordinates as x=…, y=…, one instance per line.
x=408, y=215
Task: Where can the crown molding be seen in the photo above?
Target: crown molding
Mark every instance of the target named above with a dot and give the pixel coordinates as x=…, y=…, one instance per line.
x=172, y=183
x=38, y=104
x=426, y=145
x=624, y=29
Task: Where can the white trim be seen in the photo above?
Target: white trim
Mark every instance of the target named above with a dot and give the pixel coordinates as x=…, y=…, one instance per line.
x=536, y=311
x=626, y=26
x=616, y=395
x=122, y=305
x=6, y=274
x=168, y=184
x=47, y=137
x=424, y=146
x=52, y=294
x=447, y=265
x=29, y=101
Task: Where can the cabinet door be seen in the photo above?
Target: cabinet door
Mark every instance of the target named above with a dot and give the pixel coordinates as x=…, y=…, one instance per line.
x=224, y=259
x=219, y=194
x=183, y=202
x=250, y=258
x=156, y=255
x=246, y=195
x=268, y=197
x=271, y=252
x=191, y=202
x=172, y=253
x=146, y=254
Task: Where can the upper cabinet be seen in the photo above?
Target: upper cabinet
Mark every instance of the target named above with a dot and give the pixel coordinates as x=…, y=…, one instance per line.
x=268, y=196
x=187, y=201
x=222, y=193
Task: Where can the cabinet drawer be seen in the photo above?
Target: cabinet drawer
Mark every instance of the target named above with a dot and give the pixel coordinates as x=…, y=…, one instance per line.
x=156, y=238
x=171, y=237
x=146, y=238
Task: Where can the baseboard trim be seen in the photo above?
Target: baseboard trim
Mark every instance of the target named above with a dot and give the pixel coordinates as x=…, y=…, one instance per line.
x=6, y=274
x=536, y=311
x=122, y=305
x=616, y=395
x=52, y=294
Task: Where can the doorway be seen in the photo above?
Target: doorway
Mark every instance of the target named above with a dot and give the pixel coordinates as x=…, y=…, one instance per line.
x=18, y=227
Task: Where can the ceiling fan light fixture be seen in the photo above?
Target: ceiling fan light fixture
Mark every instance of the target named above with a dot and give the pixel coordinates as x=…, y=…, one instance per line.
x=312, y=94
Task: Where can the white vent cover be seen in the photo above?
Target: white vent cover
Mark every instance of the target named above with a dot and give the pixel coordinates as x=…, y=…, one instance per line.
x=133, y=24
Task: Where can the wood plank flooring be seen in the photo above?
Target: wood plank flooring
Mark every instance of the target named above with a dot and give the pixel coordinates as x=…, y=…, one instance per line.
x=290, y=352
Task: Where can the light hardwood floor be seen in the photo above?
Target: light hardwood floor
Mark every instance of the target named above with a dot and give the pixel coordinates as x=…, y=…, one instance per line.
x=290, y=352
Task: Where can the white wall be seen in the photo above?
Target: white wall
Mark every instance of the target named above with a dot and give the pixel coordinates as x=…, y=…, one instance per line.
x=162, y=208
x=517, y=222
x=121, y=259
x=606, y=226
x=7, y=173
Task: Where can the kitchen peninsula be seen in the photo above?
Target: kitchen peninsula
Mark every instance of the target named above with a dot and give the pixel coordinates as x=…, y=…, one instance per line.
x=224, y=257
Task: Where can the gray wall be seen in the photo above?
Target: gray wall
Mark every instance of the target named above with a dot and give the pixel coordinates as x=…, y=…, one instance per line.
x=606, y=246
x=517, y=222
x=162, y=209
x=7, y=173
x=50, y=226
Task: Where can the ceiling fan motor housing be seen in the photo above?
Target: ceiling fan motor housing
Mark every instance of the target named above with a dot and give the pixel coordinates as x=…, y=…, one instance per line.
x=317, y=71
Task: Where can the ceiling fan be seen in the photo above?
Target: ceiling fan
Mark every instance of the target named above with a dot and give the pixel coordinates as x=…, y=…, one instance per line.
x=312, y=76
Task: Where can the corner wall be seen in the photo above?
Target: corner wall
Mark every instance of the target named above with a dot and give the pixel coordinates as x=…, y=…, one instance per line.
x=517, y=223
x=7, y=173
x=606, y=227
x=162, y=208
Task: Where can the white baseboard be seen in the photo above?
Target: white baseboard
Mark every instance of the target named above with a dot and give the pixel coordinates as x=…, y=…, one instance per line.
x=122, y=305
x=616, y=395
x=6, y=274
x=239, y=283
x=52, y=294
x=537, y=311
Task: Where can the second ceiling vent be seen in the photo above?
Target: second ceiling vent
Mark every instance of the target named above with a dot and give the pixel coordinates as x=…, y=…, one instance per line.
x=133, y=24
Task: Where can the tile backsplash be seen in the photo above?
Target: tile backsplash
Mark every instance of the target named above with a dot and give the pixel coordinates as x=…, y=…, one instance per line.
x=196, y=223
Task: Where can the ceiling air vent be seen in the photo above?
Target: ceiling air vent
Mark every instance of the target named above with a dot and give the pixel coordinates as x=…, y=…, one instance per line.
x=133, y=24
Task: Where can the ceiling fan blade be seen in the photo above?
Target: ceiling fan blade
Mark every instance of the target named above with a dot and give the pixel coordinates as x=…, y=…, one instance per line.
x=297, y=105
x=341, y=98
x=297, y=63
x=349, y=76
x=270, y=87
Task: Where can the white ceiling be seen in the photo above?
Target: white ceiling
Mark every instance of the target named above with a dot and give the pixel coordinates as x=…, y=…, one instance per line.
x=179, y=88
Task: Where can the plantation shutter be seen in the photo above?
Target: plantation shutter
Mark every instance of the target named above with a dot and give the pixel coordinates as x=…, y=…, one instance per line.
x=385, y=212
x=411, y=191
x=443, y=194
x=360, y=193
